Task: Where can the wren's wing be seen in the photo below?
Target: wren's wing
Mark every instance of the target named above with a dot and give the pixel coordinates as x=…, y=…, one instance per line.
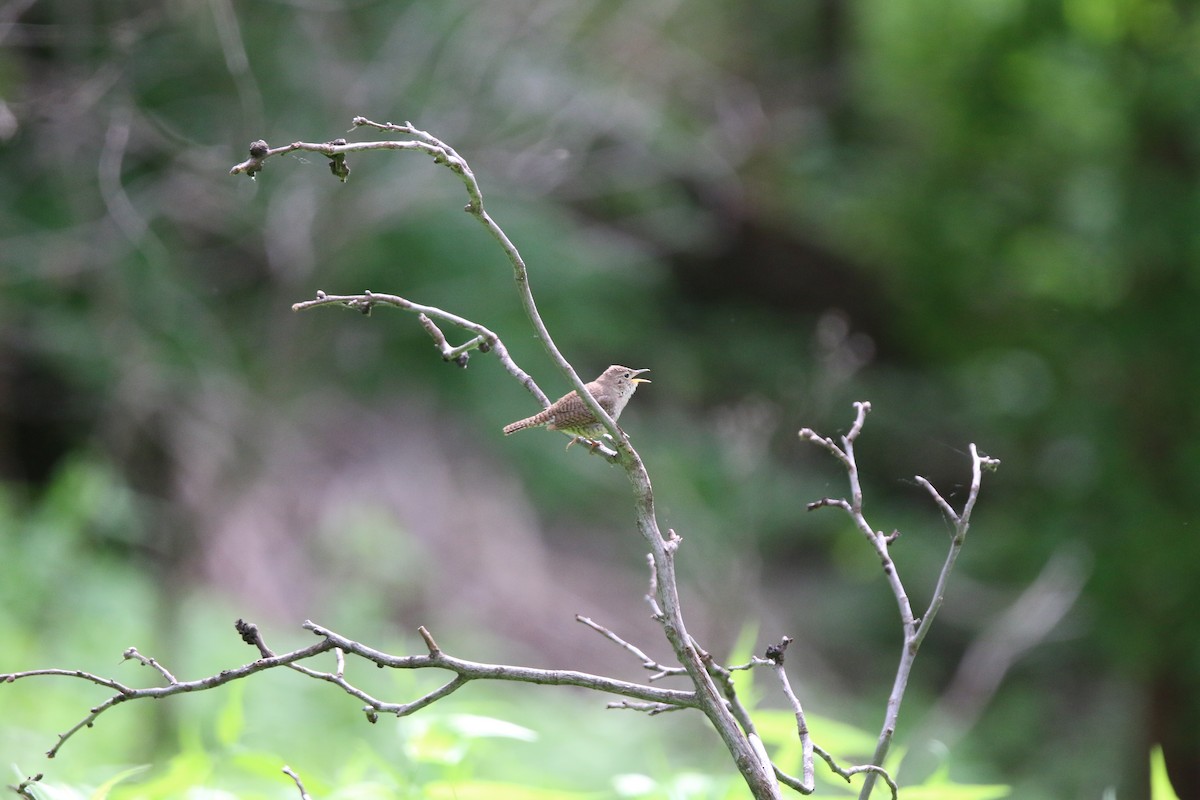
x=607, y=401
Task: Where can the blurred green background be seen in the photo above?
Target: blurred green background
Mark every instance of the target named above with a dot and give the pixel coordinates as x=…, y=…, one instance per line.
x=981, y=216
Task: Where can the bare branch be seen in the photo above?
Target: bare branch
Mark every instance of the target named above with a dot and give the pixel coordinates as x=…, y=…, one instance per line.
x=251, y=635
x=802, y=726
x=652, y=591
x=459, y=354
x=659, y=670
x=947, y=509
x=465, y=671
x=775, y=656
x=854, y=509
x=723, y=677
x=132, y=653
x=434, y=650
x=125, y=693
x=871, y=770
x=651, y=709
x=22, y=788
x=304, y=795
x=445, y=155
x=830, y=502
x=485, y=339
x=914, y=629
x=13, y=677
x=862, y=408
x=807, y=784
x=473, y=670
x=962, y=522
x=809, y=435
x=792, y=782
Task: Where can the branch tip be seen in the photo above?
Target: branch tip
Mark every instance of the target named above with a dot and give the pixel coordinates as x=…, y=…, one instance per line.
x=251, y=635
x=304, y=795
x=434, y=650
x=775, y=652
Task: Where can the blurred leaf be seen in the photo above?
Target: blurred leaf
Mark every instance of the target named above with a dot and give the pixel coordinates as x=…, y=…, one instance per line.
x=741, y=652
x=103, y=790
x=231, y=719
x=474, y=726
x=1160, y=783
x=681, y=786
x=939, y=786
x=436, y=739
x=185, y=772
x=776, y=726
x=632, y=784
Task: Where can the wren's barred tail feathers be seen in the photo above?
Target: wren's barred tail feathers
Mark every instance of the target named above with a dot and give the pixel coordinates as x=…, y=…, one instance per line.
x=536, y=421
x=572, y=416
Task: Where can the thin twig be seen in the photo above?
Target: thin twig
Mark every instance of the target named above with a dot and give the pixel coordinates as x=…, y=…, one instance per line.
x=126, y=693
x=434, y=650
x=962, y=523
x=457, y=354
x=659, y=670
x=23, y=788
x=650, y=709
x=304, y=795
x=133, y=654
x=473, y=670
x=484, y=337
x=808, y=780
x=652, y=590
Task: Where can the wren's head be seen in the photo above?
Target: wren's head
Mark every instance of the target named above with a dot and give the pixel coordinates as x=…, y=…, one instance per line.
x=620, y=383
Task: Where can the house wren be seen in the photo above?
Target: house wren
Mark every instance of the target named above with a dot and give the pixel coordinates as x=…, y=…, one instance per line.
x=572, y=416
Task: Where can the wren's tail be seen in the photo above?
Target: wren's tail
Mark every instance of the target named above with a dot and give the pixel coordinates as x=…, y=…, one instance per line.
x=520, y=425
x=536, y=421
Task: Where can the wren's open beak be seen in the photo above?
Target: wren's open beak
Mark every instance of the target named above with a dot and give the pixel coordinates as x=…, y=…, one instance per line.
x=640, y=380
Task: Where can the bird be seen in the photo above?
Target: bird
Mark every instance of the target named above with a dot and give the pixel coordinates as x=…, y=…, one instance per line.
x=571, y=415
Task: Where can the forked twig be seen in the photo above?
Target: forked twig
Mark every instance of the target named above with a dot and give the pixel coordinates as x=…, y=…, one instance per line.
x=915, y=629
